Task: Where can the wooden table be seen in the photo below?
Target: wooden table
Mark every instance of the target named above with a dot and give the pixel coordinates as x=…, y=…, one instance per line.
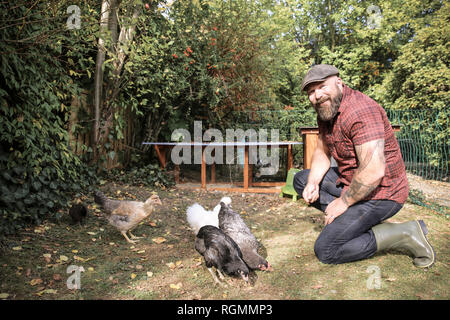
x=248, y=185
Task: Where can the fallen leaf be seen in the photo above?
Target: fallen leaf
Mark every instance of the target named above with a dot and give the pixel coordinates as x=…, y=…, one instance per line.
x=74, y=251
x=152, y=224
x=391, y=279
x=57, y=277
x=82, y=259
x=317, y=286
x=133, y=275
x=176, y=286
x=63, y=258
x=36, y=281
x=90, y=269
x=149, y=274
x=17, y=248
x=4, y=295
x=159, y=240
x=92, y=233
x=51, y=291
x=171, y=265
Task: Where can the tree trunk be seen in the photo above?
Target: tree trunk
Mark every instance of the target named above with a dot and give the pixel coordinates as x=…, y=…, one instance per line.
x=331, y=26
x=125, y=38
x=98, y=85
x=113, y=23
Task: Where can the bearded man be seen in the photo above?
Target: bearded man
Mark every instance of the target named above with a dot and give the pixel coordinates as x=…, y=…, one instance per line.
x=369, y=184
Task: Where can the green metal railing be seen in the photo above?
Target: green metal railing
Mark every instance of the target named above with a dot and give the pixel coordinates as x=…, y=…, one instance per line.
x=423, y=140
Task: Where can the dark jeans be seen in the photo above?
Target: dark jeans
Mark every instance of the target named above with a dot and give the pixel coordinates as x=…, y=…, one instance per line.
x=349, y=237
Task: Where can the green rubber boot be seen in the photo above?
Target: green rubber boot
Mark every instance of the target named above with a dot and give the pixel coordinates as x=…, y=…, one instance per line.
x=408, y=236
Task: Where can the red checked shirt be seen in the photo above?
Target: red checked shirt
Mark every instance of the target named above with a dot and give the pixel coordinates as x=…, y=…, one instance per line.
x=360, y=119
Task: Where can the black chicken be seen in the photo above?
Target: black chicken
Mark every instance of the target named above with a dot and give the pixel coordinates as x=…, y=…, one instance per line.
x=231, y=223
x=77, y=212
x=221, y=252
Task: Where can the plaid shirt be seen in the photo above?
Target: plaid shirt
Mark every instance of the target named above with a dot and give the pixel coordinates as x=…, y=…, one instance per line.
x=360, y=119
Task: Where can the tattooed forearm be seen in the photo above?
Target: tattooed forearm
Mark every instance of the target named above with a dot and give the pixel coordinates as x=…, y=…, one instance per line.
x=358, y=191
x=370, y=171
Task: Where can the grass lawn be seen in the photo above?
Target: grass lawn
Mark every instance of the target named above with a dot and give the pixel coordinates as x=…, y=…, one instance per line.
x=165, y=265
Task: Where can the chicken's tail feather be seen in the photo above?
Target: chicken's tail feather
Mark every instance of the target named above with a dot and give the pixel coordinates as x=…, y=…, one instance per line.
x=99, y=198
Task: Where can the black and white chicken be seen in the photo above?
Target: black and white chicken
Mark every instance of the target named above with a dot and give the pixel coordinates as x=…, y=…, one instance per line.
x=231, y=223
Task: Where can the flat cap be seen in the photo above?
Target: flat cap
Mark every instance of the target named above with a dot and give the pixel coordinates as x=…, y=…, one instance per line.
x=319, y=72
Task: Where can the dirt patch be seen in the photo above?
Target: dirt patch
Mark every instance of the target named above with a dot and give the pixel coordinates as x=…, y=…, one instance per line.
x=435, y=191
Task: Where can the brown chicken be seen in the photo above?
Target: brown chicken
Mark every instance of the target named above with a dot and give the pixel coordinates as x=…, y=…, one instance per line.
x=126, y=215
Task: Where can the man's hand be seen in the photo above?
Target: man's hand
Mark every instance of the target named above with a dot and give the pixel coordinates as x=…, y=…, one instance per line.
x=334, y=210
x=311, y=193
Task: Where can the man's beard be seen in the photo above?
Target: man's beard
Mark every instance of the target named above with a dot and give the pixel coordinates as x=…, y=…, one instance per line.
x=328, y=113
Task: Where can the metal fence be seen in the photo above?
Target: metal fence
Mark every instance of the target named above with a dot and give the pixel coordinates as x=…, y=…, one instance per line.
x=423, y=136
x=423, y=140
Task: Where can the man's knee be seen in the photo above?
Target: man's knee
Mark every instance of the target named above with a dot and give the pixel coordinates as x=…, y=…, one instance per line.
x=323, y=251
x=300, y=180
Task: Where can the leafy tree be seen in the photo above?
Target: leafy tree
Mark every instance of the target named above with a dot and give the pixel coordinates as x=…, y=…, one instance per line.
x=420, y=77
x=39, y=172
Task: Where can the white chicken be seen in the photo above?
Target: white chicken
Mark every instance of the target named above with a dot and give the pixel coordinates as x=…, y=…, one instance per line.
x=197, y=216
